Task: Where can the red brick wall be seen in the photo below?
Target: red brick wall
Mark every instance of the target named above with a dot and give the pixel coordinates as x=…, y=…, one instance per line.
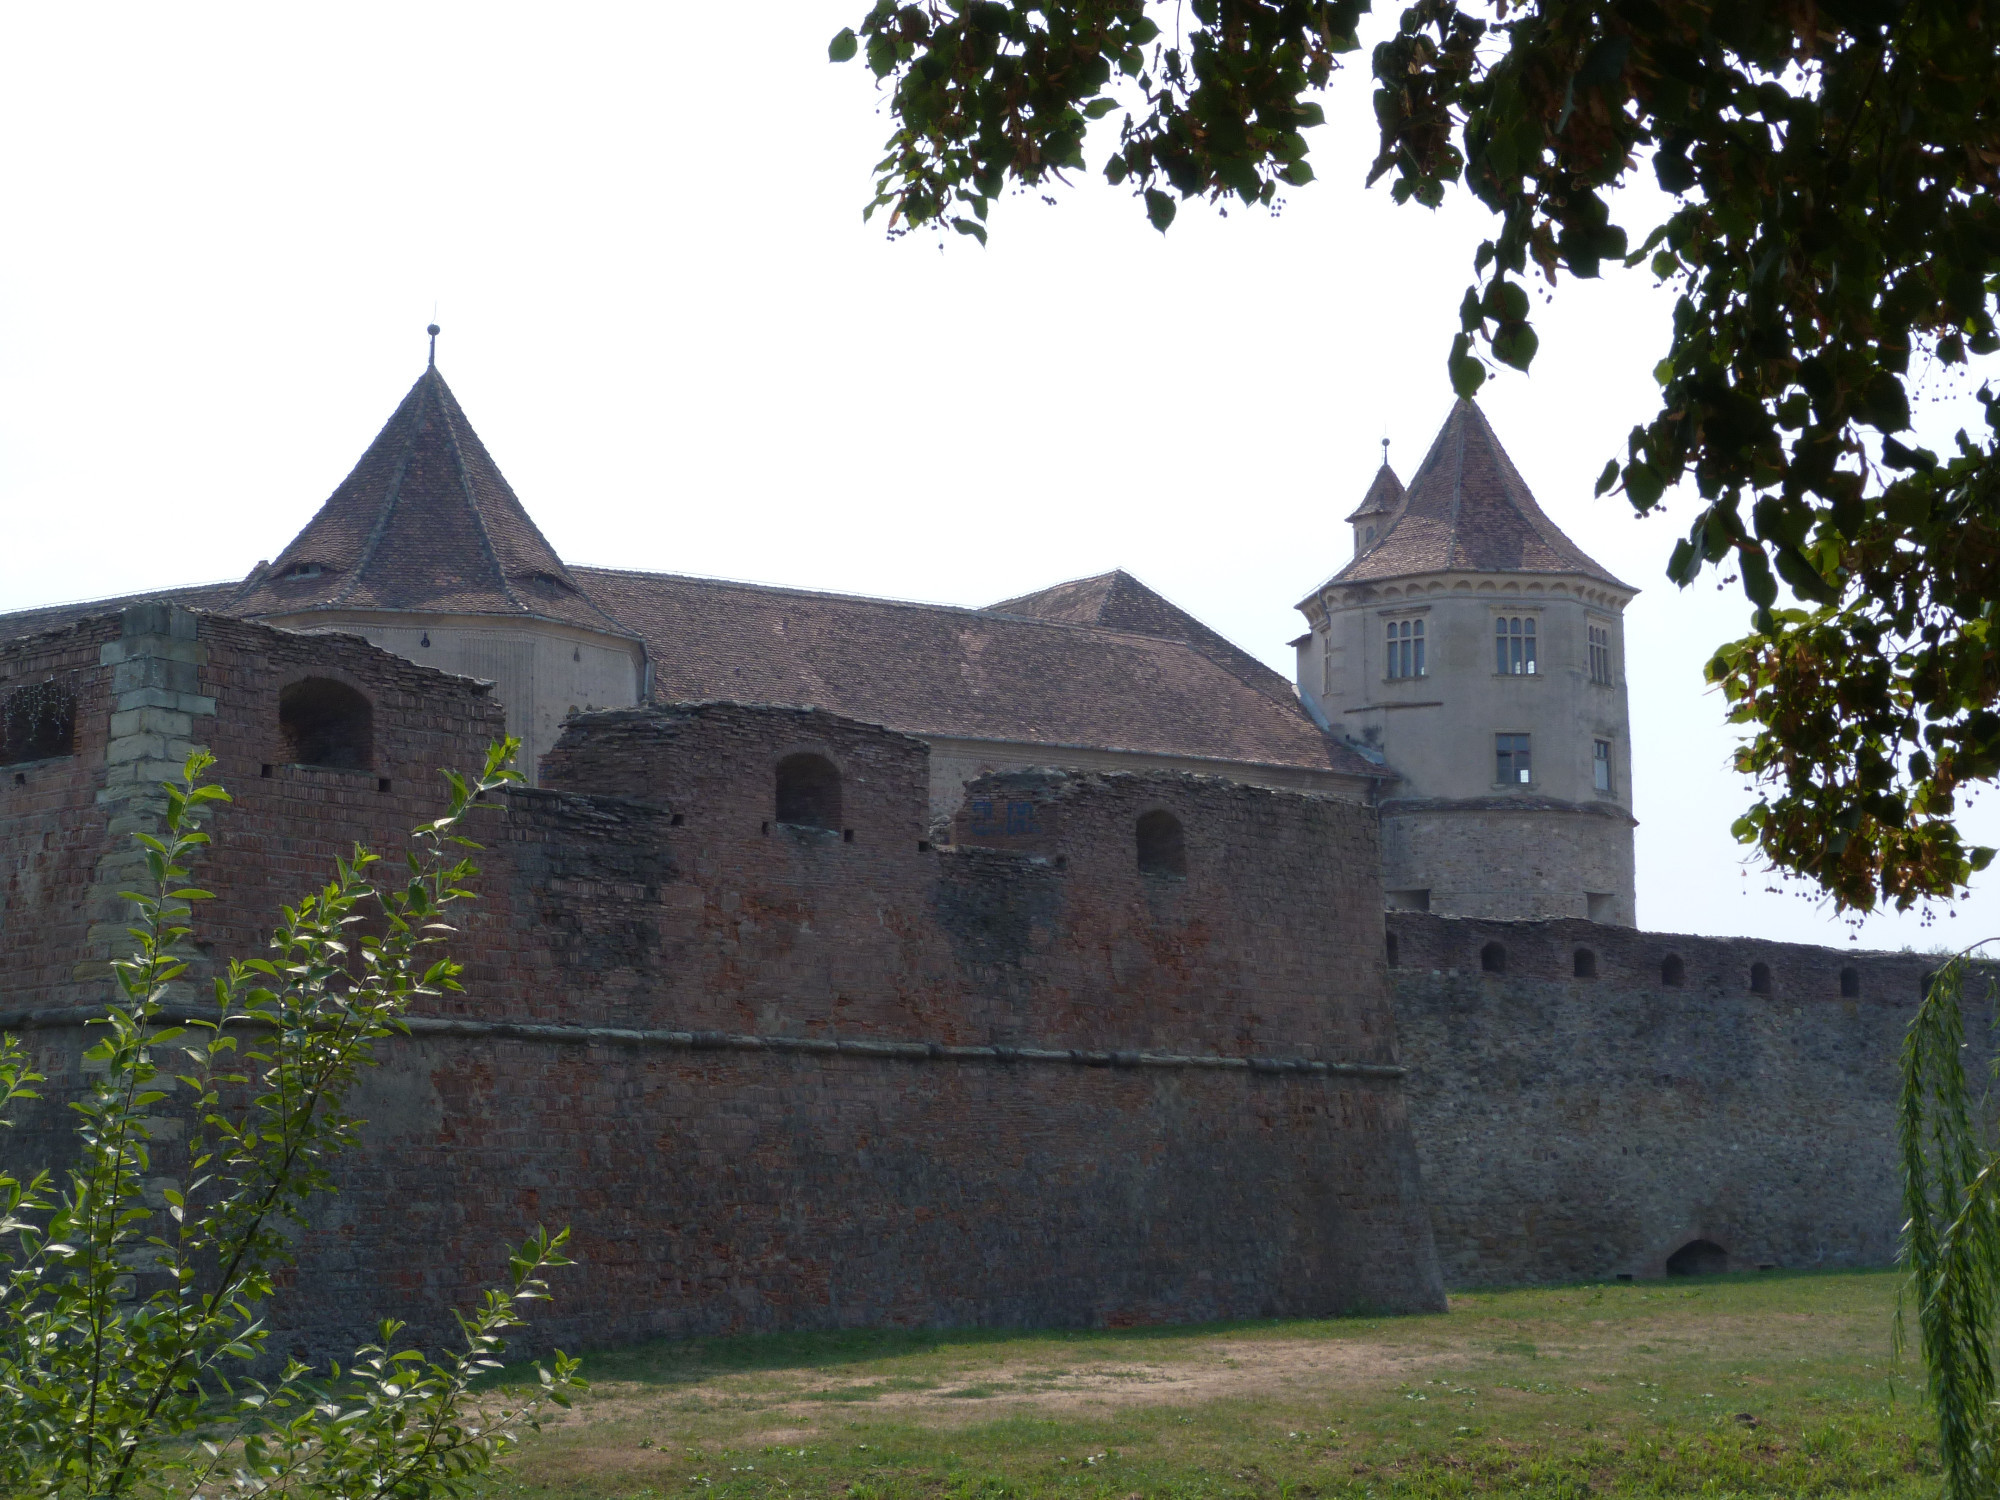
x=731, y=1180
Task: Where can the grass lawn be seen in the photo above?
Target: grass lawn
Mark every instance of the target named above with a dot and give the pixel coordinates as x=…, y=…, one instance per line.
x=1759, y=1384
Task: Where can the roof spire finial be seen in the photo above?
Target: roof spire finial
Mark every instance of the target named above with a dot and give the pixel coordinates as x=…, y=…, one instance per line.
x=433, y=332
x=1385, y=453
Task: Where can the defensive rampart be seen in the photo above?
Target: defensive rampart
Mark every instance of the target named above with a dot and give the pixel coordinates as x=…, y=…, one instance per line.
x=778, y=1059
x=1592, y=1101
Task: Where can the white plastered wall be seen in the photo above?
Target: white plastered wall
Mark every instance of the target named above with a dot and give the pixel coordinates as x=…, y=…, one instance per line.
x=541, y=670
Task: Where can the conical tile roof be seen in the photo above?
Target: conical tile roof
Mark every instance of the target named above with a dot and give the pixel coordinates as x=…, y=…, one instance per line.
x=424, y=523
x=1468, y=509
x=1384, y=495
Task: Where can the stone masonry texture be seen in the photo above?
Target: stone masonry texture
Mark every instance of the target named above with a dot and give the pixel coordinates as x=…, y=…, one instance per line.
x=771, y=1076
x=1580, y=1127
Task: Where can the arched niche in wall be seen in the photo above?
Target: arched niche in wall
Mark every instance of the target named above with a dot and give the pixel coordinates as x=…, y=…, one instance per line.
x=326, y=723
x=1493, y=959
x=1584, y=964
x=1698, y=1258
x=1162, y=846
x=808, y=791
x=1673, y=973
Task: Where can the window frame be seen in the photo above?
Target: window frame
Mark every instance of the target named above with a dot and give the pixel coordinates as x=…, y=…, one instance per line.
x=1598, y=652
x=1523, y=747
x=1524, y=660
x=1395, y=623
x=1601, y=756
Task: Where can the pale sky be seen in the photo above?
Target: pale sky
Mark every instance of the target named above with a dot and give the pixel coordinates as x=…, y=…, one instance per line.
x=639, y=225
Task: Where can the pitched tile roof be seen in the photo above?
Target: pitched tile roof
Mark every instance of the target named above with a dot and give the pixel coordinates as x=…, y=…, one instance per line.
x=424, y=522
x=1467, y=508
x=1384, y=494
x=1121, y=602
x=962, y=673
x=25, y=622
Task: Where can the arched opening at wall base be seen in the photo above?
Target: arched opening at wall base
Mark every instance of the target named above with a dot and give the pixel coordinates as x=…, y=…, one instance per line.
x=1698, y=1258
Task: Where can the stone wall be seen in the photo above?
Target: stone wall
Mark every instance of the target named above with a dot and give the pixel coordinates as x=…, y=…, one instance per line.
x=778, y=1076
x=1511, y=859
x=1577, y=1126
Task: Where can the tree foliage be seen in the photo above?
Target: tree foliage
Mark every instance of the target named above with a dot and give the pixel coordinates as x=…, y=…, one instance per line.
x=1832, y=238
x=1951, y=1241
x=129, y=1325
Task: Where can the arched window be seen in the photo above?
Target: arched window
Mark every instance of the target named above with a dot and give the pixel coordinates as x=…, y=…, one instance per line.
x=1850, y=984
x=808, y=792
x=1493, y=959
x=1698, y=1258
x=1586, y=964
x=326, y=723
x=38, y=723
x=1389, y=947
x=1760, y=979
x=1673, y=973
x=1162, y=849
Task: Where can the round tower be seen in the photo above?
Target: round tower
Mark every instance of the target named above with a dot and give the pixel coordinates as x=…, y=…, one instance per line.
x=1480, y=653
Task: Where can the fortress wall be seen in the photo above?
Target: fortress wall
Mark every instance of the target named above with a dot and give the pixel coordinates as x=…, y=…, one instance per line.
x=715, y=1191
x=1574, y=1128
x=721, y=1048
x=52, y=824
x=1049, y=936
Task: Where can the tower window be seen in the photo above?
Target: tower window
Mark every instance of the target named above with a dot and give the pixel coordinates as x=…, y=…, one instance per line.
x=1600, y=653
x=1162, y=848
x=1600, y=764
x=1493, y=959
x=1406, y=648
x=1760, y=979
x=1514, y=645
x=1584, y=964
x=326, y=723
x=808, y=792
x=1511, y=759
x=1673, y=973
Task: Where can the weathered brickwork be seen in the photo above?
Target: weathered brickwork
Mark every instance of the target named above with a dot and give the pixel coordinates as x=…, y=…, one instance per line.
x=777, y=1075
x=1581, y=1126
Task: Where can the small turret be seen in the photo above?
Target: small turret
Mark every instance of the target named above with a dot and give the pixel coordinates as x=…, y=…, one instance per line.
x=1372, y=518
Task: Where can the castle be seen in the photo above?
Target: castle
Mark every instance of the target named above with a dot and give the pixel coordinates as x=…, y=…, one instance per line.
x=849, y=960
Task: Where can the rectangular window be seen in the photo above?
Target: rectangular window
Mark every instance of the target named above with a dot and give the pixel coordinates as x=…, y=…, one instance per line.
x=1600, y=764
x=1511, y=753
x=1600, y=653
x=1514, y=645
x=1405, y=649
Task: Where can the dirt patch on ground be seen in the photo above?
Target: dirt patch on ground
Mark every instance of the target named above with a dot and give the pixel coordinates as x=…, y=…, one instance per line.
x=1219, y=1371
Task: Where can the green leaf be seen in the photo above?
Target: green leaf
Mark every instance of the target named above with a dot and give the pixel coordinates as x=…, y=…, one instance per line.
x=1159, y=209
x=1467, y=373
x=1515, y=345
x=843, y=46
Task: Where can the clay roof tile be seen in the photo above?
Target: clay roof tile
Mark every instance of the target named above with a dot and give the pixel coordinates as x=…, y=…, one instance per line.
x=1468, y=509
x=427, y=522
